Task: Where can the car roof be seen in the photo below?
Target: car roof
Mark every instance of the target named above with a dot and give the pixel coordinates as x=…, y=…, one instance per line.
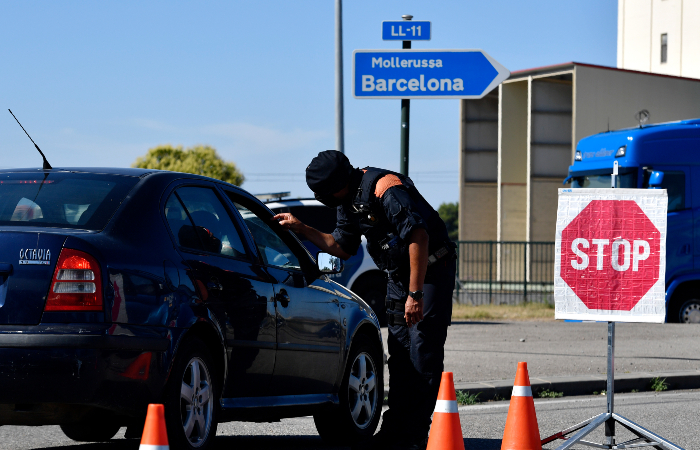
x=127, y=171
x=293, y=202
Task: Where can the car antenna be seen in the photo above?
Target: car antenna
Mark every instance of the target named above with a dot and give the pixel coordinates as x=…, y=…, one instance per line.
x=47, y=166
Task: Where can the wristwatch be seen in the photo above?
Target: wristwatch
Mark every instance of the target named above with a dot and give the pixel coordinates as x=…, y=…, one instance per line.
x=416, y=295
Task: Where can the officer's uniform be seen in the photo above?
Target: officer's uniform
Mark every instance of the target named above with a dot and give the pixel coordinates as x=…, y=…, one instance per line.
x=386, y=208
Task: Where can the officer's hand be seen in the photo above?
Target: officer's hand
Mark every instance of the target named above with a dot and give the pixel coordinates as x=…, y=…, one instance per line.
x=413, y=311
x=289, y=222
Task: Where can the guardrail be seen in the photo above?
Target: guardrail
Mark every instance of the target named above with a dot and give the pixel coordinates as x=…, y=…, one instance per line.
x=500, y=272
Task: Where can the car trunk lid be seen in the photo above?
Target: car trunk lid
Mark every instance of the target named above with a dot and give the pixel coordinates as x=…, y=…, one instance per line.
x=27, y=262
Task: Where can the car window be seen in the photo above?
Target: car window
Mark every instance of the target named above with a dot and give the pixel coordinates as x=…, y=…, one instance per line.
x=674, y=183
x=199, y=221
x=272, y=249
x=322, y=218
x=61, y=199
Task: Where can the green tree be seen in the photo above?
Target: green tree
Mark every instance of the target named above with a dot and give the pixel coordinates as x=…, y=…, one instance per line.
x=449, y=213
x=199, y=160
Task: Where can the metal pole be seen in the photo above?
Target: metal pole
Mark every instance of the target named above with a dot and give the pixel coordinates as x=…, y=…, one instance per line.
x=610, y=393
x=405, y=118
x=525, y=274
x=339, y=126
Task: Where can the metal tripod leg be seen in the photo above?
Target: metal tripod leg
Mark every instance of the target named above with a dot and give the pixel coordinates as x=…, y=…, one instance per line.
x=643, y=432
x=562, y=434
x=595, y=423
x=610, y=418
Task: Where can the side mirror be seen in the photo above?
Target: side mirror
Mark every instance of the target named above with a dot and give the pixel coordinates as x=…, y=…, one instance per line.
x=655, y=180
x=329, y=264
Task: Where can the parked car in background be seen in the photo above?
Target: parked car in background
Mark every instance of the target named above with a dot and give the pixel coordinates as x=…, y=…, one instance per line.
x=124, y=287
x=360, y=275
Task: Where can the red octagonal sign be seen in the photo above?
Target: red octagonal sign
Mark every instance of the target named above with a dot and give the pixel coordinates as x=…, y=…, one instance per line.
x=610, y=254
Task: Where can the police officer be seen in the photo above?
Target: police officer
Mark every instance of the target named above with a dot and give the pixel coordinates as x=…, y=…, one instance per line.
x=407, y=239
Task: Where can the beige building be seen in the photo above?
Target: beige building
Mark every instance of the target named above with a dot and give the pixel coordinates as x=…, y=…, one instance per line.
x=659, y=36
x=517, y=143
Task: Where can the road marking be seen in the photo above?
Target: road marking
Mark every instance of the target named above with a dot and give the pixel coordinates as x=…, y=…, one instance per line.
x=579, y=400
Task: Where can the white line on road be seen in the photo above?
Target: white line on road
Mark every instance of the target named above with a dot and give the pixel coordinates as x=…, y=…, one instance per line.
x=578, y=400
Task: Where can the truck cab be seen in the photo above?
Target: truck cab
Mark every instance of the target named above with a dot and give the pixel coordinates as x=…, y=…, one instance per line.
x=663, y=156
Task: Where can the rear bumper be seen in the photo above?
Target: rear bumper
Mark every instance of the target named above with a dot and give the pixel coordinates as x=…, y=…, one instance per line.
x=46, y=371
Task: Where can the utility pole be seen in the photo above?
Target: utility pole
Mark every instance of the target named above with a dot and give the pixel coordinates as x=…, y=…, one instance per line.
x=405, y=117
x=339, y=127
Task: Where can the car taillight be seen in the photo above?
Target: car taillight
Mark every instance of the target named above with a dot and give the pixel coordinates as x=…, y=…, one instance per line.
x=76, y=283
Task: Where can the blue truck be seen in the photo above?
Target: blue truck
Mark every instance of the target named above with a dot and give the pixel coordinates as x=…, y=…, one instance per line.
x=663, y=156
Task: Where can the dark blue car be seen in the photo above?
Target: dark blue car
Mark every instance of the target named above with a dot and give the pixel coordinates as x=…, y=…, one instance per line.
x=123, y=287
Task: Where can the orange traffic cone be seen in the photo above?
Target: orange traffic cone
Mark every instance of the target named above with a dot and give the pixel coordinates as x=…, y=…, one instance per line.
x=446, y=431
x=154, y=435
x=522, y=432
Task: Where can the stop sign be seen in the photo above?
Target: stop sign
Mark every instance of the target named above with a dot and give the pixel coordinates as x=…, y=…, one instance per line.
x=610, y=254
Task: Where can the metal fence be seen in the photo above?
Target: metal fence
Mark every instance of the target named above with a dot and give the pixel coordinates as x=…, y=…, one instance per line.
x=498, y=272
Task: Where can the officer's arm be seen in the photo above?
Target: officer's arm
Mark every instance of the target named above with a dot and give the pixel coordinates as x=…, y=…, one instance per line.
x=325, y=242
x=418, y=255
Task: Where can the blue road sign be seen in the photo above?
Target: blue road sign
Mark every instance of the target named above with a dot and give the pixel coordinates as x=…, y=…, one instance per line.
x=405, y=30
x=468, y=74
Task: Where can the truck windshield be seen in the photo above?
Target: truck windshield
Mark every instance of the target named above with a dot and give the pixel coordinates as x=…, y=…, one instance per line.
x=61, y=199
x=624, y=180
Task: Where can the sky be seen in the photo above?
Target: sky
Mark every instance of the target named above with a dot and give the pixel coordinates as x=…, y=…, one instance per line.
x=97, y=84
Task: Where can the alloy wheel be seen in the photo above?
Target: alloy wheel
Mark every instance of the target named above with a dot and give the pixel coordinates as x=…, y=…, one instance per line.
x=362, y=390
x=196, y=402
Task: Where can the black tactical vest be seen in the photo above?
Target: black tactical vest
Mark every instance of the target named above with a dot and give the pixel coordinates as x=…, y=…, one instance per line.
x=388, y=251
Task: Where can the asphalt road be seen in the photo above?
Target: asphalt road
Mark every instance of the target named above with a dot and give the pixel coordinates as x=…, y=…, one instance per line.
x=481, y=351
x=672, y=415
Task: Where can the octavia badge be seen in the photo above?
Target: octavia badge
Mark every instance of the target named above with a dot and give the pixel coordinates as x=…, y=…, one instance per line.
x=35, y=256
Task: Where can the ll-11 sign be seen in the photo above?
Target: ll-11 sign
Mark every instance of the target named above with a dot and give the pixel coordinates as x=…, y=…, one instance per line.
x=468, y=74
x=403, y=30
x=610, y=255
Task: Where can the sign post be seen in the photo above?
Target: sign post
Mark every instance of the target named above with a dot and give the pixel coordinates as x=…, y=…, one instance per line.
x=610, y=261
x=406, y=74
x=405, y=105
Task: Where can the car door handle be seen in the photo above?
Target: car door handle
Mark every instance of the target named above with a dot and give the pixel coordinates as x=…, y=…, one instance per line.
x=282, y=297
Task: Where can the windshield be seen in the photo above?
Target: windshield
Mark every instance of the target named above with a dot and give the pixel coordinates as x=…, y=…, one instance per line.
x=61, y=199
x=625, y=180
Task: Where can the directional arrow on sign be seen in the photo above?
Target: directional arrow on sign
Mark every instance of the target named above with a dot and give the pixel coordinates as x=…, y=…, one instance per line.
x=467, y=74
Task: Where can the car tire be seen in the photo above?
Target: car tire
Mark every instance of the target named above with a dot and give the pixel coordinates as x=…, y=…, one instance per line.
x=689, y=311
x=360, y=397
x=91, y=430
x=372, y=289
x=191, y=398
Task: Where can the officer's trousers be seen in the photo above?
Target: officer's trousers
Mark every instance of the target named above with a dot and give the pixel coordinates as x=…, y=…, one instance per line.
x=416, y=355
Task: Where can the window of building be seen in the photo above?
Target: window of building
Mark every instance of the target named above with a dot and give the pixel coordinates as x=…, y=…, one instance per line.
x=664, y=48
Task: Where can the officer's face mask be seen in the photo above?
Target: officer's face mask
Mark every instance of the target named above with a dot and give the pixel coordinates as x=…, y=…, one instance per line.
x=329, y=200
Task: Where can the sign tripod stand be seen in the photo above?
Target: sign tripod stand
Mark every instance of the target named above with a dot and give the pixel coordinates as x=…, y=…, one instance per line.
x=645, y=438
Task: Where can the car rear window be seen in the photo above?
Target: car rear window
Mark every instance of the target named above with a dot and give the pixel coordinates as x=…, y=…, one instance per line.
x=61, y=199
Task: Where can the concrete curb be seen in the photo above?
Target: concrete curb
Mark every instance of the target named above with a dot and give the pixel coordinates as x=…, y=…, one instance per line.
x=582, y=384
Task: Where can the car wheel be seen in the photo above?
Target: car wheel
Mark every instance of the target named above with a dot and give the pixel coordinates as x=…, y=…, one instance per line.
x=191, y=397
x=690, y=311
x=372, y=289
x=91, y=430
x=361, y=396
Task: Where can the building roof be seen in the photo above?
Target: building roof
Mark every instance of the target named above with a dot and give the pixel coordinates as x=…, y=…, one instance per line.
x=557, y=68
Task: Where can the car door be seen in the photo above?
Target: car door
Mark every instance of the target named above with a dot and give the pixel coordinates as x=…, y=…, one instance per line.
x=232, y=285
x=679, y=236
x=307, y=308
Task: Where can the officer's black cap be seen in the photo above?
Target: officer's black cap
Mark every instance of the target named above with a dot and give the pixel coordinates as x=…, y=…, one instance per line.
x=328, y=173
